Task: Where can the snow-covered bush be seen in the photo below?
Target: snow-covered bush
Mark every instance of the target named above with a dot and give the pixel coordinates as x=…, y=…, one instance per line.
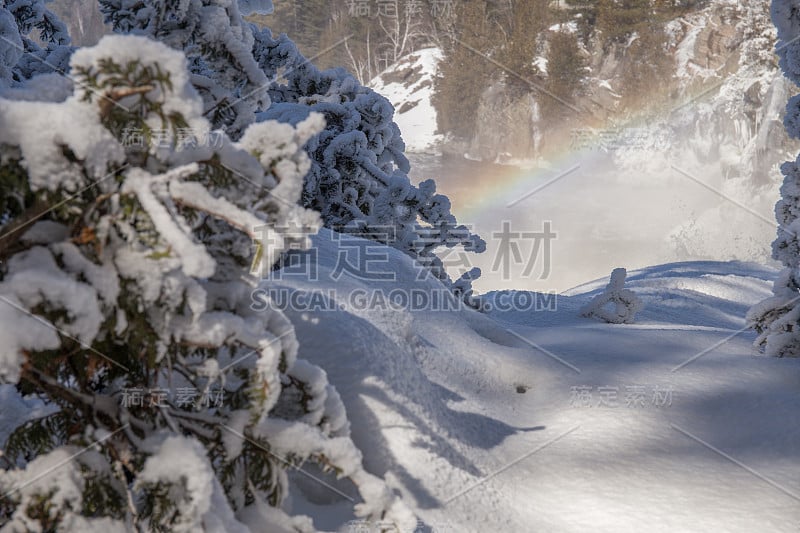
x=124, y=282
x=777, y=319
x=616, y=304
x=359, y=176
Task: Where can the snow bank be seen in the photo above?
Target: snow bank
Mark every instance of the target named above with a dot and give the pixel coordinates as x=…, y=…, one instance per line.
x=442, y=401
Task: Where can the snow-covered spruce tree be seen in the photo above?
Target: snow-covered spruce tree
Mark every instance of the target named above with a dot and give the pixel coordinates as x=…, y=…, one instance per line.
x=21, y=54
x=777, y=319
x=124, y=283
x=359, y=175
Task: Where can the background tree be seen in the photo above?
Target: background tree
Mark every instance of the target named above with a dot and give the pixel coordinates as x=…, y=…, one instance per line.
x=618, y=20
x=566, y=74
x=365, y=36
x=527, y=20
x=635, y=28
x=304, y=20
x=464, y=72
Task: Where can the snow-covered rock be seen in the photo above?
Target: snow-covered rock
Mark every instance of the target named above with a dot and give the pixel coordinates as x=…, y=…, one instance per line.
x=408, y=84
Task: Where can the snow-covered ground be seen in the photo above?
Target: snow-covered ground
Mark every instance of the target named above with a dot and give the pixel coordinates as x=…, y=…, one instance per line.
x=539, y=420
x=544, y=421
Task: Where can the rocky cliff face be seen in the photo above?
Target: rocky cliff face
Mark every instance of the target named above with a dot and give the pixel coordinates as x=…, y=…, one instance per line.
x=509, y=125
x=719, y=97
x=736, y=93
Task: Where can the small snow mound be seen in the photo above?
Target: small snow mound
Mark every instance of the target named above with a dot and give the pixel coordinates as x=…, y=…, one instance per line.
x=625, y=302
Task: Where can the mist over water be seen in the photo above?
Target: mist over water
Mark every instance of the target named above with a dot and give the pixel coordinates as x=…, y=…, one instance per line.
x=631, y=208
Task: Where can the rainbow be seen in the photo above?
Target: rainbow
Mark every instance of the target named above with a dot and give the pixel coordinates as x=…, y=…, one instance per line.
x=483, y=187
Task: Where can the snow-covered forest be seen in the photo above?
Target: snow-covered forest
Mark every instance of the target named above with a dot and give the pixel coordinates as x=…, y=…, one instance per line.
x=231, y=299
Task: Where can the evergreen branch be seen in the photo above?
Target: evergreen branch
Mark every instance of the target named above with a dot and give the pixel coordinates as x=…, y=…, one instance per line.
x=40, y=208
x=113, y=96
